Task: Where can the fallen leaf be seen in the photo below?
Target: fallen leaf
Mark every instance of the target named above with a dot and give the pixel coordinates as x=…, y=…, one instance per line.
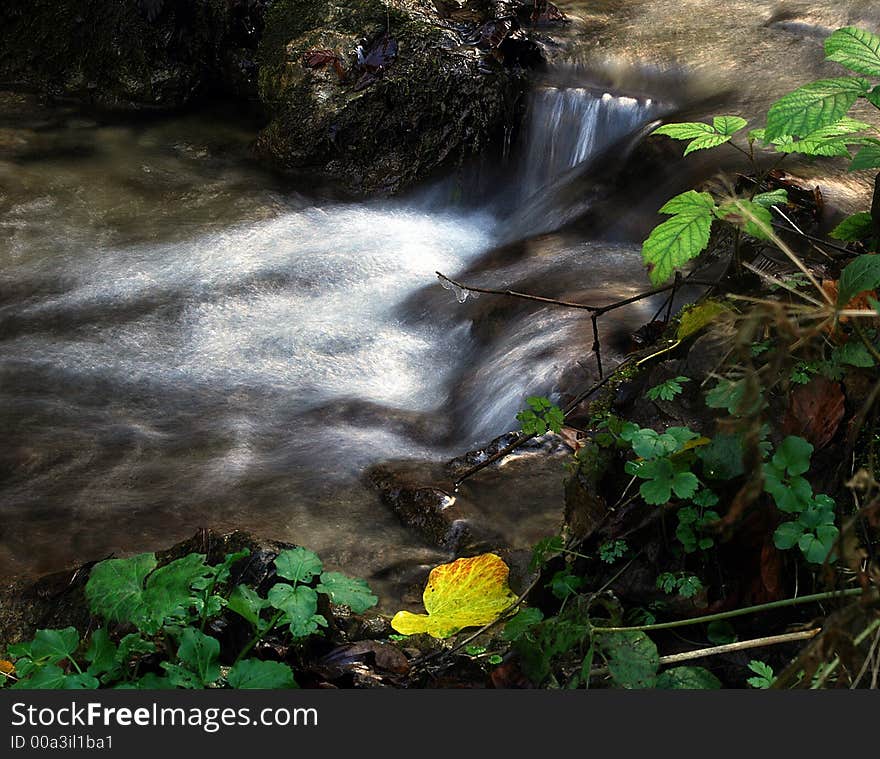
x=698, y=317
x=6, y=667
x=466, y=593
x=815, y=411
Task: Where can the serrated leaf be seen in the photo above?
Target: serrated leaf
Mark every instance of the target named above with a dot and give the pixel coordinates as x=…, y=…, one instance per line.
x=298, y=564
x=349, y=591
x=867, y=158
x=685, y=484
x=793, y=455
x=253, y=674
x=770, y=199
x=706, y=142
x=857, y=49
x=698, y=317
x=115, y=587
x=853, y=228
x=853, y=353
x=687, y=678
x=201, y=654
x=728, y=125
x=685, y=131
x=723, y=457
x=632, y=659
x=813, y=106
x=48, y=677
x=859, y=276
x=681, y=238
x=465, y=593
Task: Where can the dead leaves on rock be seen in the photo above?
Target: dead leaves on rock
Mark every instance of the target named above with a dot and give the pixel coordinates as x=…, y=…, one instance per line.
x=373, y=60
x=815, y=411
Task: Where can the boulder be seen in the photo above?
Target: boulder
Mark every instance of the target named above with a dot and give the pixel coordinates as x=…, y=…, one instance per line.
x=378, y=94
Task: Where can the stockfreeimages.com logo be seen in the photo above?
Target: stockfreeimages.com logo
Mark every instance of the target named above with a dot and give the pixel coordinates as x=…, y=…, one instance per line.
x=209, y=719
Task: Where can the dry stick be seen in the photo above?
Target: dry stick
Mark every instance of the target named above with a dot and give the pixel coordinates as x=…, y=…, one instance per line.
x=828, y=596
x=597, y=349
x=798, y=230
x=741, y=645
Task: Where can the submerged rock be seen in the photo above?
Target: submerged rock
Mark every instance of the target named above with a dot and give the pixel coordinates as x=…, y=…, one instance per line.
x=376, y=95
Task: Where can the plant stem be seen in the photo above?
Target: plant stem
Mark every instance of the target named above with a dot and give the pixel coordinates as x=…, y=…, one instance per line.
x=740, y=645
x=816, y=597
x=835, y=662
x=257, y=638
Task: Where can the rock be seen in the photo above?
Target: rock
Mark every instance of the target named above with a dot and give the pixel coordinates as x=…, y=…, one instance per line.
x=377, y=95
x=131, y=54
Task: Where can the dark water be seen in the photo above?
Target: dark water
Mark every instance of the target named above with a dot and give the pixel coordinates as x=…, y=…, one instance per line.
x=186, y=340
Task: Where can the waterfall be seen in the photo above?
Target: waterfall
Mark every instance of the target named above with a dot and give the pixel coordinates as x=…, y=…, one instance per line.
x=568, y=126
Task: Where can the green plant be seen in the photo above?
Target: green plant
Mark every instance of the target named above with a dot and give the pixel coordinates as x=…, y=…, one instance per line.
x=170, y=606
x=764, y=675
x=811, y=120
x=541, y=416
x=612, y=550
x=667, y=390
x=685, y=584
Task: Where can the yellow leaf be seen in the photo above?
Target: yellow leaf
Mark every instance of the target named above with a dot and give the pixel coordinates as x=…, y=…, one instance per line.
x=694, y=319
x=6, y=667
x=466, y=593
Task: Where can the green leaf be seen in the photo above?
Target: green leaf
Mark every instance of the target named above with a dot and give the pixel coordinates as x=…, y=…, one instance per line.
x=861, y=275
x=101, y=653
x=348, y=591
x=167, y=593
x=753, y=218
x=793, y=455
x=681, y=238
x=873, y=96
x=770, y=199
x=689, y=586
x=697, y=317
x=80, y=681
x=868, y=157
x=667, y=390
x=115, y=587
x=54, y=645
x=853, y=353
x=564, y=583
x=764, y=674
x=298, y=565
x=255, y=674
x=685, y=484
x=632, y=658
x=521, y=622
x=706, y=142
x=201, y=654
x=300, y=606
x=48, y=677
x=723, y=457
x=853, y=228
x=246, y=603
x=787, y=535
x=688, y=678
x=829, y=140
x=728, y=125
x=685, y=131
x=813, y=106
x=855, y=48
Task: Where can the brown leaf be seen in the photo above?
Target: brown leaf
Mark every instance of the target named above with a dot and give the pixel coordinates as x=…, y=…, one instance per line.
x=771, y=571
x=815, y=411
x=6, y=667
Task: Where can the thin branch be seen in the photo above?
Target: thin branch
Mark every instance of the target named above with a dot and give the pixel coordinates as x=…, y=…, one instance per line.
x=835, y=663
x=816, y=597
x=742, y=645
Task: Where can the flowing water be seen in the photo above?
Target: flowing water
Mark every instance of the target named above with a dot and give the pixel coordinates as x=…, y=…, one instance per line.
x=186, y=340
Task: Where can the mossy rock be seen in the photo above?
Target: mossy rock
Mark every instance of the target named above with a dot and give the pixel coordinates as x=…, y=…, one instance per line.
x=117, y=54
x=438, y=100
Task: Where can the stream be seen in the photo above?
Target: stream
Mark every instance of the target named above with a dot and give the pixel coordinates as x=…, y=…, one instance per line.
x=188, y=340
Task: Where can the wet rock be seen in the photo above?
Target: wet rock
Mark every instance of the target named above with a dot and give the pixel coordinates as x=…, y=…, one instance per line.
x=408, y=94
x=131, y=54
x=416, y=494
